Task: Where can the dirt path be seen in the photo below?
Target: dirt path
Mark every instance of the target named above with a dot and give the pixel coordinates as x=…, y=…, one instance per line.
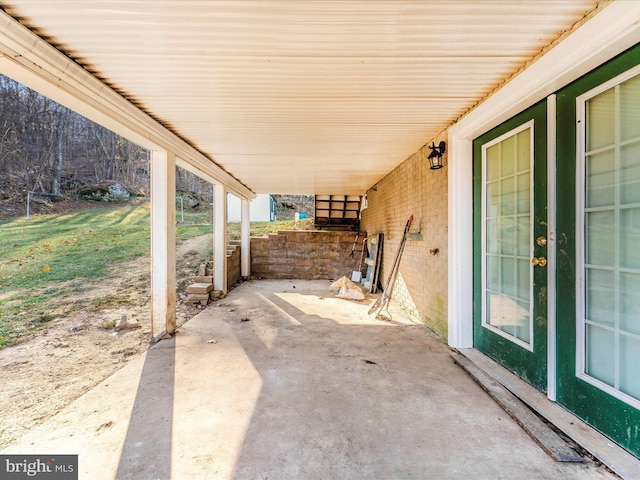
x=59, y=364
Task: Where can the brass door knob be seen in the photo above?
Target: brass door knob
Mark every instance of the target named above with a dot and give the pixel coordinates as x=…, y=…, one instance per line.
x=539, y=261
x=541, y=241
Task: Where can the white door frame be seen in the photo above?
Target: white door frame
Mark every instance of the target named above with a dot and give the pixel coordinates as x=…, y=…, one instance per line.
x=610, y=32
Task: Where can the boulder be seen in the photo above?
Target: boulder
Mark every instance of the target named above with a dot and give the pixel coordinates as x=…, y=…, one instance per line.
x=187, y=200
x=105, y=192
x=119, y=192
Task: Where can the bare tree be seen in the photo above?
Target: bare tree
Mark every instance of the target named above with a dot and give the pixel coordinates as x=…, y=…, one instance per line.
x=62, y=120
x=47, y=147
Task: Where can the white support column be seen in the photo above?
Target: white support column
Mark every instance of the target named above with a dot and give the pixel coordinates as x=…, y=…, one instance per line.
x=460, y=302
x=163, y=242
x=551, y=249
x=245, y=235
x=220, y=237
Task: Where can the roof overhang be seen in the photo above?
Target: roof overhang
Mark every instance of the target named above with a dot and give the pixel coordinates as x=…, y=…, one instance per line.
x=36, y=64
x=279, y=96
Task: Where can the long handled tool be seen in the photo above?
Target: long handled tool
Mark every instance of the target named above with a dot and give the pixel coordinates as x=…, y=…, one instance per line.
x=355, y=242
x=356, y=275
x=383, y=301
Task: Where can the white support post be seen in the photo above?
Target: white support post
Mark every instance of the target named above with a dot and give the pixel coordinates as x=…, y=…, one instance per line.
x=460, y=303
x=220, y=237
x=551, y=249
x=163, y=243
x=245, y=235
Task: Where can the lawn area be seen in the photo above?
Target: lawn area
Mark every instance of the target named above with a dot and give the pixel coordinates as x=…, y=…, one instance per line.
x=53, y=256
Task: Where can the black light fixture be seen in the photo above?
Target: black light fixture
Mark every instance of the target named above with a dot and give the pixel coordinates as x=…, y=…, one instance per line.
x=435, y=157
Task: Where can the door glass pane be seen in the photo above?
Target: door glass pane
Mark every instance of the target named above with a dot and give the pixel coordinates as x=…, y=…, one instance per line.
x=501, y=312
x=522, y=236
x=629, y=304
x=630, y=238
x=601, y=179
x=492, y=232
x=630, y=173
x=493, y=163
x=523, y=145
x=611, y=248
x=508, y=196
x=493, y=273
x=629, y=108
x=493, y=199
x=508, y=156
x=600, y=296
x=629, y=361
x=601, y=238
x=524, y=200
x=508, y=275
x=523, y=269
x=601, y=354
x=601, y=125
x=507, y=236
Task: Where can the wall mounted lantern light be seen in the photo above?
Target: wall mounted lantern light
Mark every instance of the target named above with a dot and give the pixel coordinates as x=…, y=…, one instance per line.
x=435, y=157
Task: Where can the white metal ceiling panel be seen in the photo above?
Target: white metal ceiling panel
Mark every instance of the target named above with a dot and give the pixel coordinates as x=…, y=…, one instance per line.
x=302, y=96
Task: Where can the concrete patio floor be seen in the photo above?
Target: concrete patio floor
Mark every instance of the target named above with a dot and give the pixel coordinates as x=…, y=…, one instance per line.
x=280, y=380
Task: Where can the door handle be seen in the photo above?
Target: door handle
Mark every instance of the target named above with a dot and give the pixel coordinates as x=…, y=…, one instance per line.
x=541, y=241
x=539, y=261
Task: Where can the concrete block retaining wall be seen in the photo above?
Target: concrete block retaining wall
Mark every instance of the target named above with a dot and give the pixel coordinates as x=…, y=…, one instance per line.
x=233, y=262
x=305, y=254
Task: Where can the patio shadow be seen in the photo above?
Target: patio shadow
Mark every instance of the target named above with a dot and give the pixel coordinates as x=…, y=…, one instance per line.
x=146, y=452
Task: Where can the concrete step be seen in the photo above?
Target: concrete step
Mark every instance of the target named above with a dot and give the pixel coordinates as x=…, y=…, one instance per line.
x=202, y=279
x=200, y=288
x=197, y=298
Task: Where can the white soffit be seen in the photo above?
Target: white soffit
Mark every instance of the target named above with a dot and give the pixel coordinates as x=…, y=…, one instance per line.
x=302, y=96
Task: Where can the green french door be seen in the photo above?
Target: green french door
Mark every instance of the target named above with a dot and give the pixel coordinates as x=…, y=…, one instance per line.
x=510, y=238
x=598, y=225
x=595, y=365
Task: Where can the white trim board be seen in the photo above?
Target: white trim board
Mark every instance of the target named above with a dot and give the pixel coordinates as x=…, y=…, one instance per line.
x=610, y=32
x=551, y=248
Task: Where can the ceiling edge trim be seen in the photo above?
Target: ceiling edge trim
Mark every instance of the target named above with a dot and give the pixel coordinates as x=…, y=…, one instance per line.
x=608, y=33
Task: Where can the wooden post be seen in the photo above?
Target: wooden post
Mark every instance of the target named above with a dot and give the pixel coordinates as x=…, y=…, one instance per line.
x=220, y=237
x=245, y=235
x=163, y=243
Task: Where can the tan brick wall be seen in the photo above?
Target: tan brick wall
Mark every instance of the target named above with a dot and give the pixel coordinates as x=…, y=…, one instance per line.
x=413, y=189
x=305, y=254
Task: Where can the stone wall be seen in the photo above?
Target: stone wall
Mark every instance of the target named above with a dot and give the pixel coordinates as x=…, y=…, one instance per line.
x=413, y=189
x=305, y=254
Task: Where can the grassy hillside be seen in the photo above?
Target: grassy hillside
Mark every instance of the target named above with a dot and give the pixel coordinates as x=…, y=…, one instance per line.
x=51, y=257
